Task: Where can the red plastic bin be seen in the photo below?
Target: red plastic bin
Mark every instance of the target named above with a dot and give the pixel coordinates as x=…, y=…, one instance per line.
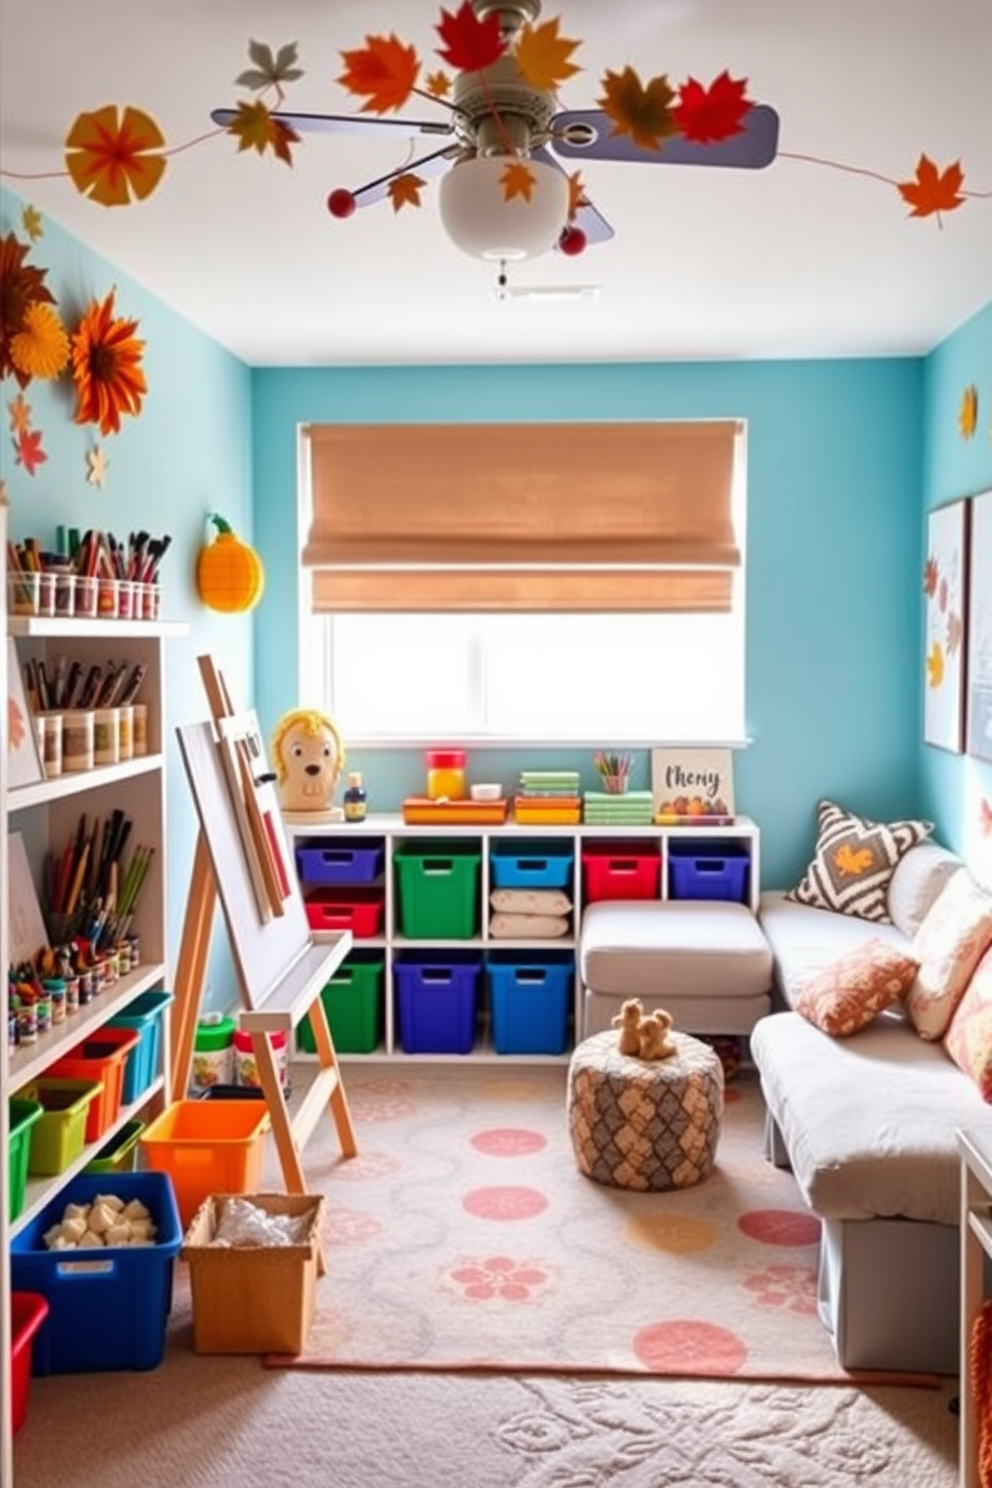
x=28, y=1310
x=102, y=1057
x=620, y=870
x=357, y=910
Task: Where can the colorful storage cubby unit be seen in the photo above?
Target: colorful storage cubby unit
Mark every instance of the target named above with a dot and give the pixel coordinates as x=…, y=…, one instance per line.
x=621, y=870
x=21, y=1117
x=437, y=1001
x=530, y=865
x=714, y=871
x=207, y=1147
x=529, y=997
x=341, y=883
x=437, y=889
x=107, y=1307
x=28, y=1310
x=59, y=1134
x=120, y=1154
x=101, y=1058
x=144, y=1016
x=353, y=1004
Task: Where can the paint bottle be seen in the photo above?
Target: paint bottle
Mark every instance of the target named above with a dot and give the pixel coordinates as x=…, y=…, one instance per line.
x=354, y=798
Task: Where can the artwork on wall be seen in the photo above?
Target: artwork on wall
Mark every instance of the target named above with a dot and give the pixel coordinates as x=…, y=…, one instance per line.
x=23, y=760
x=979, y=711
x=944, y=655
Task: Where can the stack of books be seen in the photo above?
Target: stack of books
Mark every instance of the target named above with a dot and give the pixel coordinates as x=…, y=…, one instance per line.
x=548, y=797
x=632, y=809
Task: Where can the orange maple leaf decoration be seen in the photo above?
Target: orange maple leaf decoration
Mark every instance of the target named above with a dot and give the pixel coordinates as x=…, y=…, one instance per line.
x=28, y=451
x=707, y=115
x=848, y=859
x=112, y=155
x=405, y=190
x=935, y=665
x=384, y=71
x=438, y=84
x=470, y=44
x=254, y=128
x=543, y=56
x=930, y=577
x=517, y=180
x=642, y=111
x=576, y=194
x=20, y=413
x=933, y=191
x=15, y=725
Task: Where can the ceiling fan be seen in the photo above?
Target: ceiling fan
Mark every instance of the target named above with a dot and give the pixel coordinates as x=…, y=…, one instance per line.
x=504, y=144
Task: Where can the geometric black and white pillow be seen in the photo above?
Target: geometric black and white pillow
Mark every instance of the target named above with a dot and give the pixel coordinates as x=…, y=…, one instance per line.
x=854, y=862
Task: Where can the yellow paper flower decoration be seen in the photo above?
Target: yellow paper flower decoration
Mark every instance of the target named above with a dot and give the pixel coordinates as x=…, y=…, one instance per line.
x=968, y=412
x=41, y=347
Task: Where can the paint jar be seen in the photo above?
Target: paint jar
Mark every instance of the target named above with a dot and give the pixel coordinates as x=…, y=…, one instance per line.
x=65, y=595
x=107, y=599
x=106, y=749
x=77, y=739
x=125, y=599
x=213, y=1052
x=125, y=731
x=140, y=729
x=86, y=596
x=245, y=1067
x=446, y=775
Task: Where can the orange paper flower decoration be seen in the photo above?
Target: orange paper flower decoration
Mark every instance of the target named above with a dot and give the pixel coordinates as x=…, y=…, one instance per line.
x=41, y=349
x=109, y=155
x=106, y=367
x=21, y=286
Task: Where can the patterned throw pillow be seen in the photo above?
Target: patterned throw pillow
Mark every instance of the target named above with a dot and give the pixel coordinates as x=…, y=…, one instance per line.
x=862, y=983
x=968, y=1040
x=854, y=862
x=948, y=946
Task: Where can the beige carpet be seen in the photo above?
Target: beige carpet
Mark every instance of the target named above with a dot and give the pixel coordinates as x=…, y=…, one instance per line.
x=463, y=1235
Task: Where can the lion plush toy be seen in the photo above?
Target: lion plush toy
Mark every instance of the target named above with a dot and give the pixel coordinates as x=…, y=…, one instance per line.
x=308, y=756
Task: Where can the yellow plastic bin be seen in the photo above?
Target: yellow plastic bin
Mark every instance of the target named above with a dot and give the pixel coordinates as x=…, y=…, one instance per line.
x=207, y=1147
x=59, y=1134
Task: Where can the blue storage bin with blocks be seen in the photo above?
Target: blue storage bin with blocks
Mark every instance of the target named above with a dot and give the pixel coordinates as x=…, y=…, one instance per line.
x=327, y=860
x=531, y=865
x=530, y=994
x=437, y=998
x=145, y=1014
x=107, y=1305
x=718, y=870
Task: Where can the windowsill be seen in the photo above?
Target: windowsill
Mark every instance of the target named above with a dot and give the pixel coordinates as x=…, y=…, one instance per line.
x=485, y=741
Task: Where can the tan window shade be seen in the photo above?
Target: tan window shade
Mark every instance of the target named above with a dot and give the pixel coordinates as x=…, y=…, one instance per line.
x=611, y=516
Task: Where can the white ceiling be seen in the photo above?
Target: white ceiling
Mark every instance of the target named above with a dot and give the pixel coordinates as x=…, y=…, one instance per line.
x=795, y=260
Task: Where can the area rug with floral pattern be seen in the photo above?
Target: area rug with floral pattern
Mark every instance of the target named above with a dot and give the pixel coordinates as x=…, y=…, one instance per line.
x=463, y=1236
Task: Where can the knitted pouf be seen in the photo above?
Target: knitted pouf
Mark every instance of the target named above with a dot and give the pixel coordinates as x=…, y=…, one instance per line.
x=644, y=1124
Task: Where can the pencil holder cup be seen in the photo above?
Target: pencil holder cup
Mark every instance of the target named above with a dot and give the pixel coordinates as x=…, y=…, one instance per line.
x=86, y=596
x=78, y=739
x=616, y=785
x=125, y=730
x=106, y=743
x=48, y=731
x=23, y=591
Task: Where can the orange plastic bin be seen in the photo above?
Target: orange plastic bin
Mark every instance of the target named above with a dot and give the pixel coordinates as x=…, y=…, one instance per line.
x=102, y=1057
x=207, y=1147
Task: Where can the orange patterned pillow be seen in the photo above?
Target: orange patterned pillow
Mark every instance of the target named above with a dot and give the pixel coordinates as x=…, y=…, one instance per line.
x=846, y=995
x=969, y=1038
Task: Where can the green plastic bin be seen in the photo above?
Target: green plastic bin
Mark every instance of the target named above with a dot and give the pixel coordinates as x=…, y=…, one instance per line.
x=22, y=1115
x=120, y=1154
x=437, y=889
x=352, y=1001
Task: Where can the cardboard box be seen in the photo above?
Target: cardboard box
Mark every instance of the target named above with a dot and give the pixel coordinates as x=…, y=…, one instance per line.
x=256, y=1299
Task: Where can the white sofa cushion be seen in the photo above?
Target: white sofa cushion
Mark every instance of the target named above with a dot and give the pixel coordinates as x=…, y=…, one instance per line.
x=917, y=882
x=805, y=941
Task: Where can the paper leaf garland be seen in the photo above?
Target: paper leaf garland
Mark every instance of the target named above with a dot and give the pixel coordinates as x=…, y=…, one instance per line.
x=20, y=413
x=932, y=190
x=96, y=463
x=28, y=451
x=112, y=155
x=642, y=111
x=470, y=44
x=543, y=56
x=405, y=190
x=106, y=367
x=270, y=71
x=384, y=72
x=256, y=129
x=31, y=222
x=708, y=115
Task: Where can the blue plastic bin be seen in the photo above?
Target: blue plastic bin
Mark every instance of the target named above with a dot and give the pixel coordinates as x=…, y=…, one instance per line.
x=716, y=871
x=327, y=861
x=145, y=1015
x=108, y=1307
x=437, y=997
x=531, y=865
x=529, y=997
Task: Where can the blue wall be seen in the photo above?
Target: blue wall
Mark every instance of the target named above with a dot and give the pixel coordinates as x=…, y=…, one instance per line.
x=186, y=453
x=834, y=495
x=954, y=785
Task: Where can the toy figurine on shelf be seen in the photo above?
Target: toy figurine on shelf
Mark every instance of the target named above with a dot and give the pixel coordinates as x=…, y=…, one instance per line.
x=308, y=757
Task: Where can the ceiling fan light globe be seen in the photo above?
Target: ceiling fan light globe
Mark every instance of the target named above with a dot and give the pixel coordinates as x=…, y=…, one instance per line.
x=480, y=220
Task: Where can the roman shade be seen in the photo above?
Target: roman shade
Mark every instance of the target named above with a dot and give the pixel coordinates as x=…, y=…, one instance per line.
x=567, y=516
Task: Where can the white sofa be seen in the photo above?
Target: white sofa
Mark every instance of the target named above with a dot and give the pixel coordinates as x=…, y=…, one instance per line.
x=868, y=1126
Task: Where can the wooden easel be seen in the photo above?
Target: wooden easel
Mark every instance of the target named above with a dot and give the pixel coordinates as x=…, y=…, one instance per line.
x=266, y=925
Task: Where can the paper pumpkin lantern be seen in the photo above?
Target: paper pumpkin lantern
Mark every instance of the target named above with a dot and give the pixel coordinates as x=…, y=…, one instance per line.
x=230, y=576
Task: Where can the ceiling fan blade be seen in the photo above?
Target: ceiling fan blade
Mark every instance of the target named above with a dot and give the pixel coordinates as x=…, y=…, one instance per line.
x=346, y=124
x=427, y=166
x=587, y=134
x=588, y=218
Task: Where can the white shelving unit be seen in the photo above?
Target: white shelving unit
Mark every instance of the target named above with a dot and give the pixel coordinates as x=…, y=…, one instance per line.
x=394, y=833
x=976, y=1253
x=47, y=813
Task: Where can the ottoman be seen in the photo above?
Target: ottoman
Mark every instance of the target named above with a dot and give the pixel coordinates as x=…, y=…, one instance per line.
x=644, y=1124
x=706, y=961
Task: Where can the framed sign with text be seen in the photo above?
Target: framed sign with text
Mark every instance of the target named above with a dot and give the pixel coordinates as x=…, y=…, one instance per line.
x=692, y=786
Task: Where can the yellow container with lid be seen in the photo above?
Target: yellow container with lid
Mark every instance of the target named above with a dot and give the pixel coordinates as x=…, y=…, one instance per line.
x=446, y=775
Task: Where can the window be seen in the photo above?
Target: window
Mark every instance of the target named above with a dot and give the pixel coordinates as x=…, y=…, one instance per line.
x=556, y=675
